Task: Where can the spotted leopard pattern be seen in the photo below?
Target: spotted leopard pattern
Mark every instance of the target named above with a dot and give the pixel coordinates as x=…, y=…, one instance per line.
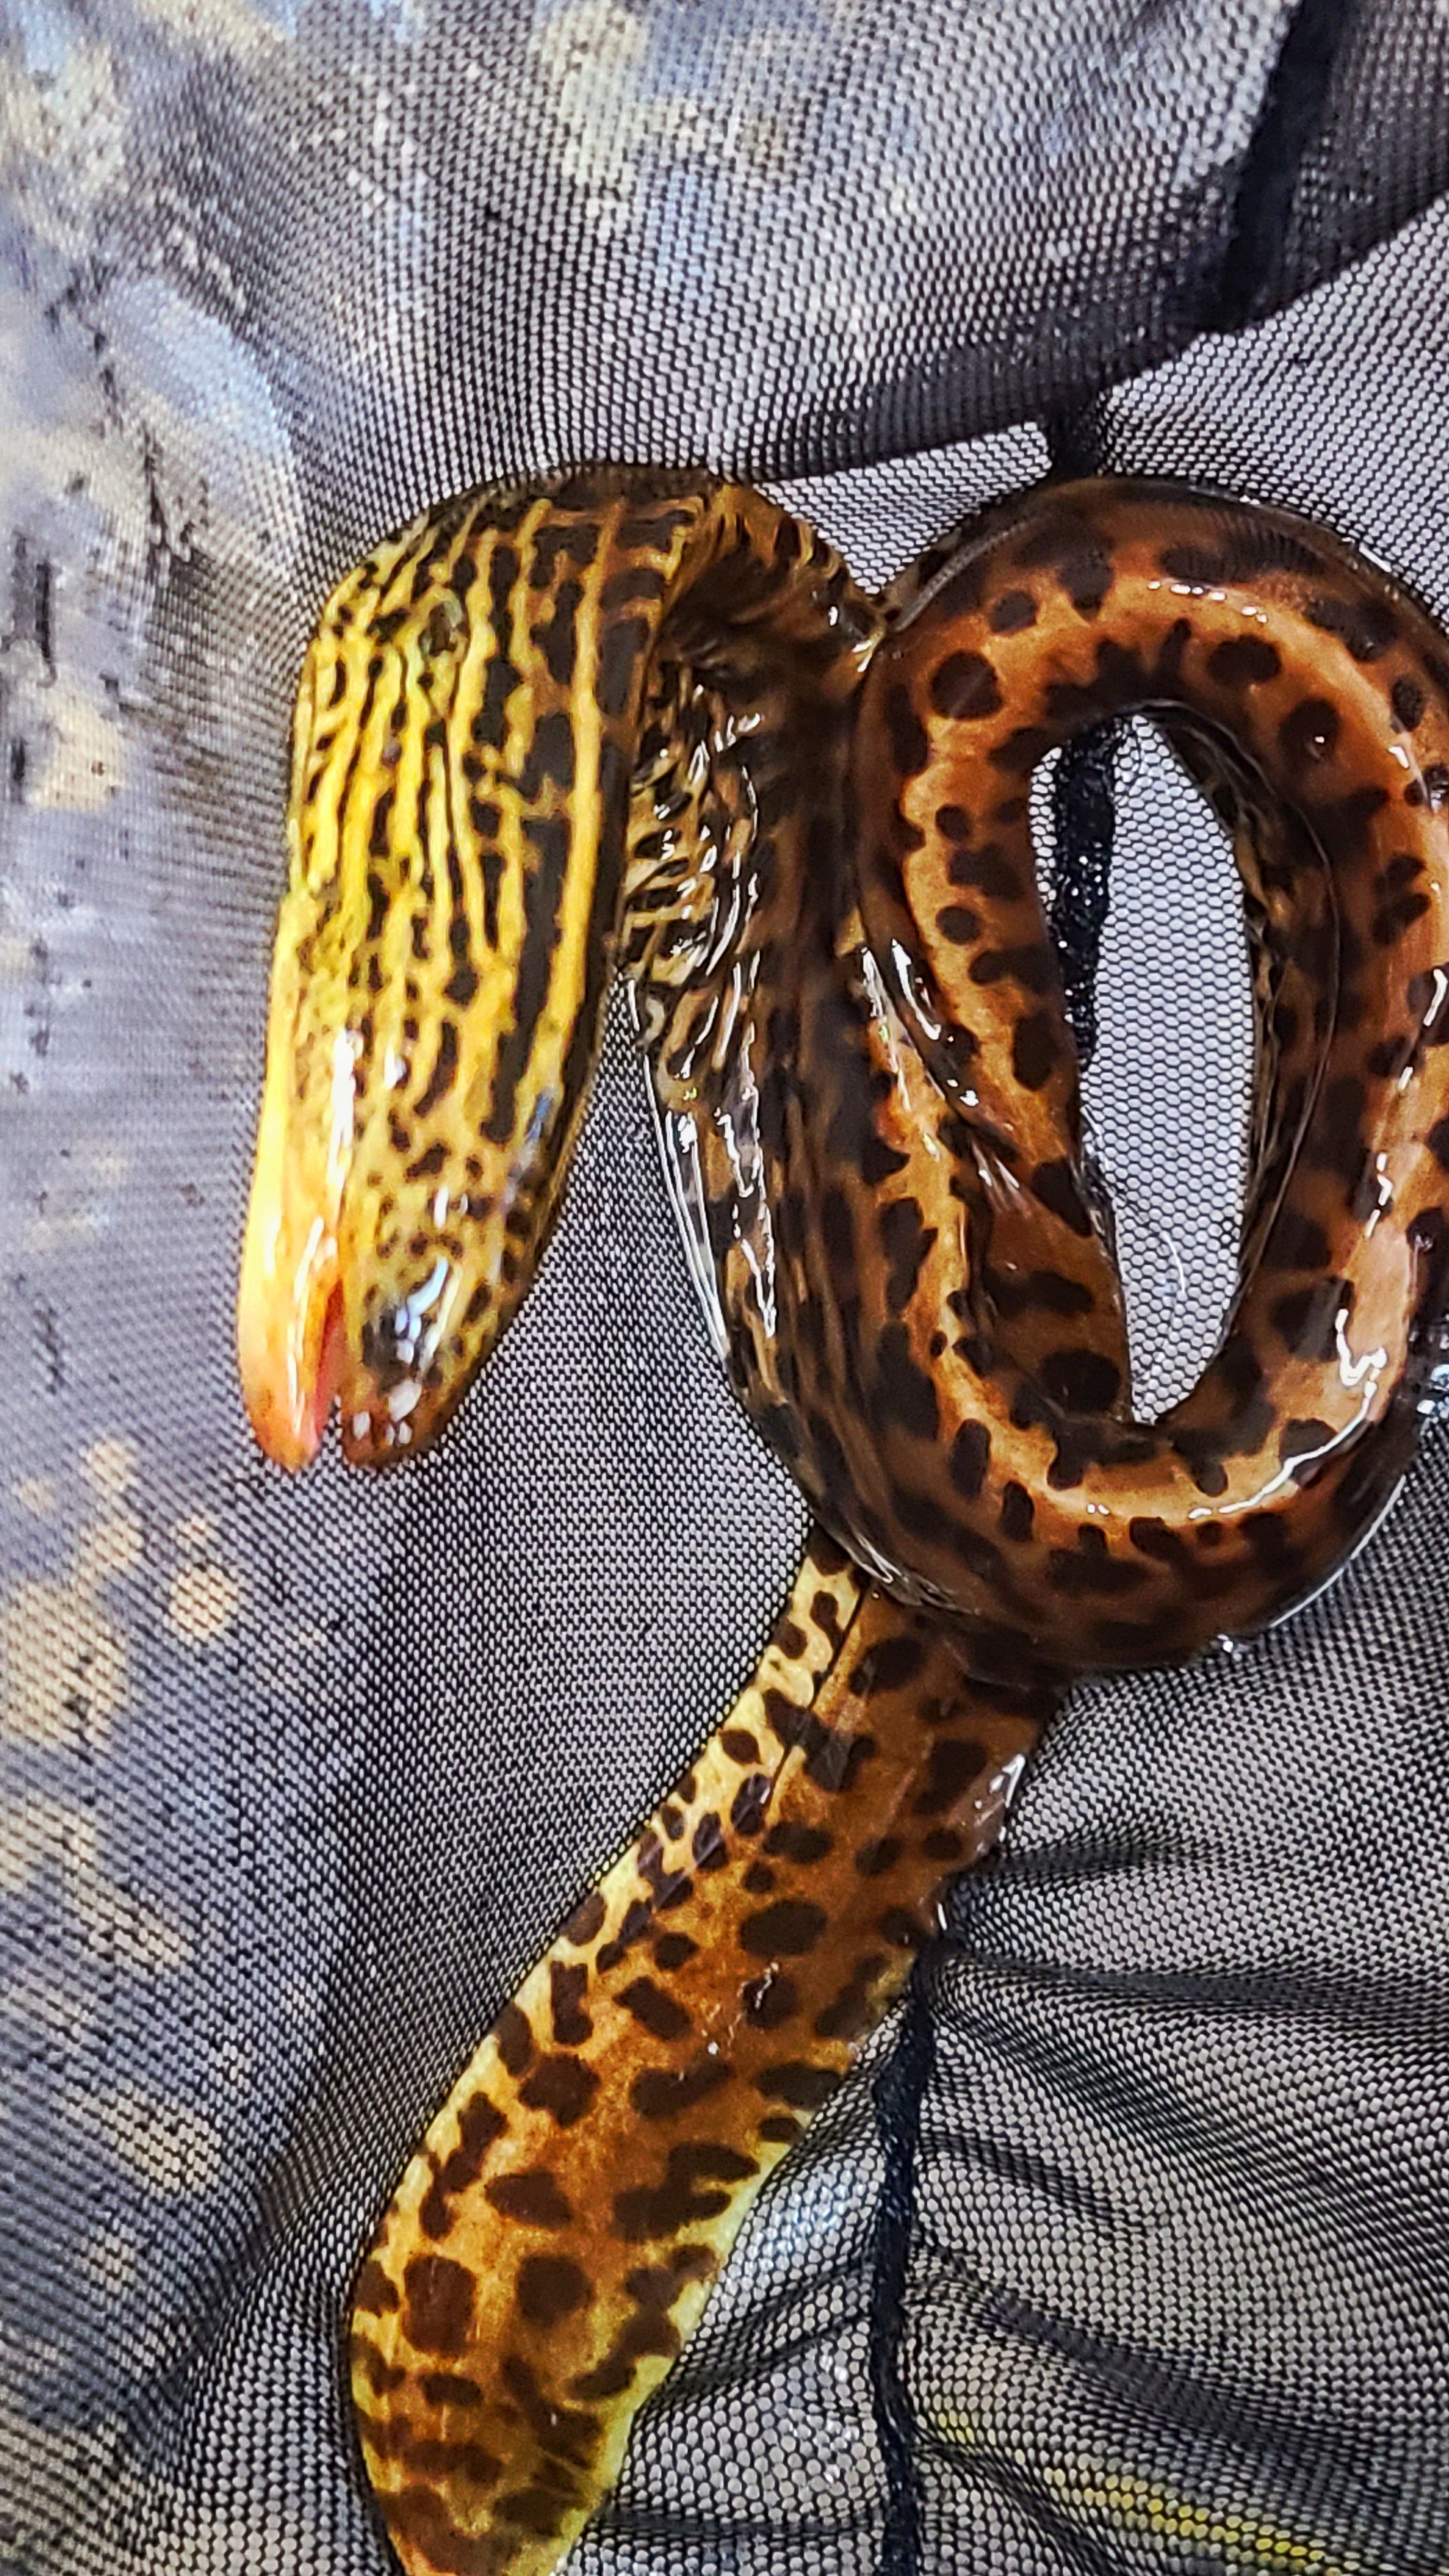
x=555, y=2241
x=926, y=1225
x=544, y=731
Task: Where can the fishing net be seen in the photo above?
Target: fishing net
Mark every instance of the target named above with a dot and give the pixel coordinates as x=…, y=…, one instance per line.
x=1128, y=2245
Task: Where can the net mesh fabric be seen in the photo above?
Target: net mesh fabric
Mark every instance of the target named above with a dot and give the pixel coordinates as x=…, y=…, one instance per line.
x=1127, y=2247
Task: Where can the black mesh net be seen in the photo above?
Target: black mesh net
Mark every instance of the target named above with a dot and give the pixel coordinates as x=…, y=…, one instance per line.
x=1128, y=2246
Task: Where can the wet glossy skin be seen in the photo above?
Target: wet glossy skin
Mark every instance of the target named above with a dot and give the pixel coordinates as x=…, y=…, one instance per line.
x=961, y=1300
x=542, y=731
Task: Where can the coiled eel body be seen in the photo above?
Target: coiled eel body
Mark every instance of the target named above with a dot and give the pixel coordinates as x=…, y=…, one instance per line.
x=653, y=722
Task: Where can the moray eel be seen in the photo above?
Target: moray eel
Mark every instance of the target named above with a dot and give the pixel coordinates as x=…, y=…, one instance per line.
x=652, y=723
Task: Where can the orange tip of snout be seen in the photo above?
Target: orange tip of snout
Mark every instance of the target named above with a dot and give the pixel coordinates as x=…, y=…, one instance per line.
x=290, y=1334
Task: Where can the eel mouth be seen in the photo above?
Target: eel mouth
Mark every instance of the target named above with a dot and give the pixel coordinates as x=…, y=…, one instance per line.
x=327, y=1319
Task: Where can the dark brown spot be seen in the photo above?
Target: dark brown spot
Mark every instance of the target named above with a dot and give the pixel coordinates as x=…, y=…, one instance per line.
x=1086, y=574
x=957, y=923
x=535, y=2509
x=373, y=2293
x=1070, y=547
x=1391, y=1057
x=970, y=1457
x=608, y=2378
x=382, y=2376
x=889, y=1664
x=1021, y=751
x=549, y=2288
x=638, y=1919
x=1309, y=734
x=1311, y=1320
x=1297, y=1242
x=1343, y=827
x=1056, y=1186
x=654, y=2010
x=964, y=687
x=1153, y=1538
x=904, y=1392
x=514, y=2039
x=1301, y=1444
x=708, y=1843
x=803, y=1844
x=803, y=2087
x=586, y=1921
x=462, y=2460
x=1391, y=920
x=1033, y=965
x=1245, y=662
x=955, y=1762
x=738, y=1742
x=1035, y=1049
x=1014, y=610
x=533, y=2197
x=986, y=871
x=435, y=2216
x=1050, y=1291
x=751, y=1798
x=1271, y=1545
x=905, y=1240
x=832, y=1757
x=1018, y=1512
x=785, y=1930
x=450, y=2388
x=667, y=1887
x=874, y=1859
x=480, y=2125
x=417, y=2516
x=571, y=2025
x=445, y=1066
x=1081, y=1381
x=1408, y=702
x=562, y=2086
x=663, y=2092
x=550, y=754
x=856, y=2007
x=650, y=2332
x=944, y=1845
x=437, y=2304
x=634, y=582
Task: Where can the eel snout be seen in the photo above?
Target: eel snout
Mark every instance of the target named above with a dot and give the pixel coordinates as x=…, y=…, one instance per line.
x=291, y=1334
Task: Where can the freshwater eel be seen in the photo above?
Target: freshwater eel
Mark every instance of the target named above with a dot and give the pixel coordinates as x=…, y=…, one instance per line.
x=649, y=723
